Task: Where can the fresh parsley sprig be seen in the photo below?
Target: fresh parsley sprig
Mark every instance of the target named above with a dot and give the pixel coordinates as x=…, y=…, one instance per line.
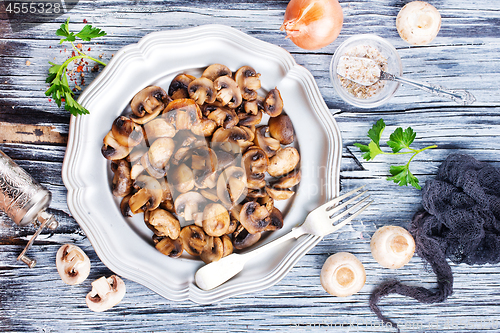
x=400, y=141
x=59, y=86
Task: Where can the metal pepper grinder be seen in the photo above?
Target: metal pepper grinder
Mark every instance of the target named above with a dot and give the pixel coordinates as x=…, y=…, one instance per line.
x=25, y=201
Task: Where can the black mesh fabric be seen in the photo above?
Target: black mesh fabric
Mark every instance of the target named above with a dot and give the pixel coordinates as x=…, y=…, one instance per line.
x=460, y=221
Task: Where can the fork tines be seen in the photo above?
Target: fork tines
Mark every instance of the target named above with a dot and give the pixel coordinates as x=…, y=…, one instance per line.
x=357, y=207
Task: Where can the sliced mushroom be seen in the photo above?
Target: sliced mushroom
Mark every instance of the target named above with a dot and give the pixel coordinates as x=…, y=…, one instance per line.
x=106, y=293
x=193, y=239
x=149, y=195
x=342, y=275
x=253, y=107
x=276, y=220
x=182, y=178
x=215, y=220
x=205, y=127
x=202, y=90
x=288, y=181
x=126, y=132
x=228, y=92
x=182, y=113
x=227, y=245
x=255, y=160
x=122, y=184
x=188, y=204
x=124, y=206
x=148, y=100
x=243, y=239
x=281, y=129
x=283, y=162
x=203, y=158
x=254, y=217
x=213, y=250
x=160, y=151
x=392, y=246
x=236, y=136
x=150, y=169
x=269, y=145
x=159, y=128
x=247, y=119
x=170, y=247
x=163, y=223
x=248, y=80
x=267, y=201
x=210, y=194
x=273, y=104
x=112, y=150
x=279, y=194
x=179, y=86
x=72, y=264
x=232, y=186
x=214, y=71
x=224, y=117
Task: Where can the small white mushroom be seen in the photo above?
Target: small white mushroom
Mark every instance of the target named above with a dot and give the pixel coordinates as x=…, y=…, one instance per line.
x=392, y=246
x=342, y=275
x=418, y=22
x=72, y=264
x=106, y=293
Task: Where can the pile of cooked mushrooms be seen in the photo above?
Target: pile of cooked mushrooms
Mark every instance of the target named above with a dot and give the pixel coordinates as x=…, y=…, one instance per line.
x=199, y=156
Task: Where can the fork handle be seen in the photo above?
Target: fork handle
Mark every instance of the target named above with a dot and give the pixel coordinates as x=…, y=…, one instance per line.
x=216, y=273
x=458, y=95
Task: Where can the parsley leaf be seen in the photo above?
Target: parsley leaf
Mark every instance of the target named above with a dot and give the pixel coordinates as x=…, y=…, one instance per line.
x=88, y=32
x=59, y=88
x=400, y=141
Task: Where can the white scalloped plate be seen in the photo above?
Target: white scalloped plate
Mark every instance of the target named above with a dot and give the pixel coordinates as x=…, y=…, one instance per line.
x=122, y=244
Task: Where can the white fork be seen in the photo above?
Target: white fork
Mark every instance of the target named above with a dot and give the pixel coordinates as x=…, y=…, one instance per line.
x=319, y=222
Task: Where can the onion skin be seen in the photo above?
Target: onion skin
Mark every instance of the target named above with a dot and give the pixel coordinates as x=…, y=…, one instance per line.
x=312, y=24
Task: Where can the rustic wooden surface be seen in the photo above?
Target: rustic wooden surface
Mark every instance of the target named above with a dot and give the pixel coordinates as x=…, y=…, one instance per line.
x=33, y=131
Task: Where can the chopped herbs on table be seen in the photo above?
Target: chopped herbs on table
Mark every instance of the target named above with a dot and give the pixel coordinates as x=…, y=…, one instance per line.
x=400, y=141
x=59, y=86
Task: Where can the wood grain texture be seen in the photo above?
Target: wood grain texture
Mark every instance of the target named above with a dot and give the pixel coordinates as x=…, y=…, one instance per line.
x=464, y=55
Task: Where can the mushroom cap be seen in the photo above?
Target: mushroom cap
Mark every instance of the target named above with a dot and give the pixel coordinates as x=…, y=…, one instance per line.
x=279, y=194
x=276, y=220
x=243, y=239
x=148, y=100
x=189, y=203
x=228, y=92
x=160, y=151
x=248, y=80
x=170, y=247
x=122, y=183
x=392, y=246
x=418, y=22
x=213, y=251
x=283, y=162
x=269, y=145
x=202, y=90
x=232, y=186
x=73, y=265
x=193, y=239
x=248, y=119
x=216, y=220
x=149, y=195
x=342, y=275
x=205, y=127
x=164, y=223
x=273, y=104
x=254, y=217
x=281, y=129
x=106, y=293
x=182, y=113
x=182, y=178
x=112, y=150
x=224, y=117
x=288, y=180
x=179, y=86
x=158, y=128
x=126, y=132
x=214, y=71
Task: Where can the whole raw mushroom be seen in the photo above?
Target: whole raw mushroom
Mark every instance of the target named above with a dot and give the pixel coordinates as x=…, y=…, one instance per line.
x=342, y=275
x=418, y=22
x=392, y=246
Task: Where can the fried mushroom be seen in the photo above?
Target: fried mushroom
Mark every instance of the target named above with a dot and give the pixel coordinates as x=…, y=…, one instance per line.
x=215, y=220
x=160, y=152
x=126, y=132
x=232, y=186
x=281, y=129
x=254, y=217
x=224, y=117
x=283, y=162
x=214, y=71
x=188, y=204
x=276, y=220
x=112, y=150
x=273, y=104
x=228, y=92
x=149, y=195
x=288, y=181
x=202, y=90
x=179, y=86
x=182, y=178
x=170, y=247
x=193, y=239
x=163, y=223
x=148, y=100
x=243, y=239
x=159, y=128
x=248, y=80
x=182, y=113
x=269, y=145
x=122, y=184
x=213, y=251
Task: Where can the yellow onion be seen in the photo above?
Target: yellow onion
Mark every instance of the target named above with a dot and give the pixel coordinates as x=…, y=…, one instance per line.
x=312, y=24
